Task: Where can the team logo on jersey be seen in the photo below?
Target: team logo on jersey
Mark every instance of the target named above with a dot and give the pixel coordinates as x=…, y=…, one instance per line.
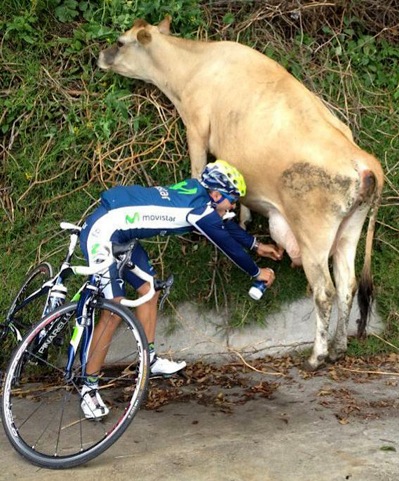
x=182, y=189
x=132, y=219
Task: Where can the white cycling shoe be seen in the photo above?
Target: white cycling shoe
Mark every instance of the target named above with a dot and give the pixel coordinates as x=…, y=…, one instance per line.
x=164, y=367
x=92, y=405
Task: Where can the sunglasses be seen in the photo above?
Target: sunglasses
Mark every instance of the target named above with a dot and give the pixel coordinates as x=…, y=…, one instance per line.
x=233, y=199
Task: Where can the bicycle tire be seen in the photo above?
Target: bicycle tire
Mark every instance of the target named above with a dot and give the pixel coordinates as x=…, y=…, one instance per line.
x=41, y=411
x=31, y=312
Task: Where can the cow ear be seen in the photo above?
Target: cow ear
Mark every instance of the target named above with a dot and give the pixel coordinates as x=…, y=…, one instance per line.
x=164, y=26
x=144, y=37
x=139, y=23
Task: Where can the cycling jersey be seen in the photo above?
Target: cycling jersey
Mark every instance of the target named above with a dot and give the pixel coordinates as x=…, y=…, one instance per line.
x=129, y=212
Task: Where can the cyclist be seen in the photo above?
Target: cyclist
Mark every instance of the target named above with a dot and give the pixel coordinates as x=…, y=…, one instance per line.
x=130, y=212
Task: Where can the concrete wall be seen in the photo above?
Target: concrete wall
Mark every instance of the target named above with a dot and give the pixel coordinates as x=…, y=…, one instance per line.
x=203, y=334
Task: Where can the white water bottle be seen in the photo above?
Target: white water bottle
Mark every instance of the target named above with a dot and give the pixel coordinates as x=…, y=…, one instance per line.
x=257, y=290
x=57, y=297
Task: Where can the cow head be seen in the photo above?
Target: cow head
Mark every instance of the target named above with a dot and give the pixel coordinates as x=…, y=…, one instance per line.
x=129, y=56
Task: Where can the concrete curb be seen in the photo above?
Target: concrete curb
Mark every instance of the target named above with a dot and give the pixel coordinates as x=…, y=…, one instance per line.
x=206, y=334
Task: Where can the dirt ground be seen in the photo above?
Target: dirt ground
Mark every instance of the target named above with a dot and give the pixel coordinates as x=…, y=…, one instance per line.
x=273, y=422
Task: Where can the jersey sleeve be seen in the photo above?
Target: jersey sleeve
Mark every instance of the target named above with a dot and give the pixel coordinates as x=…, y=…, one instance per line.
x=229, y=241
x=239, y=234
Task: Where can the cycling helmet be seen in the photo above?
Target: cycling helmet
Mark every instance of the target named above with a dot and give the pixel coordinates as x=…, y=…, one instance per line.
x=224, y=178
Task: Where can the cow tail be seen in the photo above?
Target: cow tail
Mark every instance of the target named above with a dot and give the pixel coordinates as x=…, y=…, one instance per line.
x=365, y=294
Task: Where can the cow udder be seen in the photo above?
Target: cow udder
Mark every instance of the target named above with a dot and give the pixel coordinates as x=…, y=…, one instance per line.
x=282, y=234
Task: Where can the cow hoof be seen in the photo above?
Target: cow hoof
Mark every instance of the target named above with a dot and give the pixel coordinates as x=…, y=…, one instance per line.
x=334, y=356
x=308, y=367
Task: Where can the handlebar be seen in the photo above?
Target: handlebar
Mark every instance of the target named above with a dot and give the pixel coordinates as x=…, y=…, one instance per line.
x=74, y=232
x=94, y=269
x=143, y=299
x=109, y=253
x=69, y=226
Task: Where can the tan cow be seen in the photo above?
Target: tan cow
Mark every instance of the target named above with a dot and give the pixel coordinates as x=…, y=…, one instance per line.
x=302, y=168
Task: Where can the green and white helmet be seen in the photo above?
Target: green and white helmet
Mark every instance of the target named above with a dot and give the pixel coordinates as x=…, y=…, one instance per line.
x=224, y=178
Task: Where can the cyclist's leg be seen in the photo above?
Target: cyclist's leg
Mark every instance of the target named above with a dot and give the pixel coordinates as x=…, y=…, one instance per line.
x=102, y=336
x=107, y=324
x=147, y=314
x=92, y=403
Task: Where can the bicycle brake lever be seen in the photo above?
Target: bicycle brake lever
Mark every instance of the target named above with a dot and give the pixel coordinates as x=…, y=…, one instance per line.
x=165, y=286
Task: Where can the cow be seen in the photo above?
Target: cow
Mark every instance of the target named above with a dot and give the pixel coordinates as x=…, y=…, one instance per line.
x=302, y=167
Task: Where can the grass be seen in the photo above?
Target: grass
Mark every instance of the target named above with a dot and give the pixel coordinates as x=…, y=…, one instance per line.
x=71, y=131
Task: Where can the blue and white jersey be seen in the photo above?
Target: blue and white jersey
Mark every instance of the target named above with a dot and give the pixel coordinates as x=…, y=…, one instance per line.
x=129, y=212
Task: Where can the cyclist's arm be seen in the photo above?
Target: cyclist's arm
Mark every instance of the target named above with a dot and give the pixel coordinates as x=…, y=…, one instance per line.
x=208, y=222
x=239, y=234
x=248, y=241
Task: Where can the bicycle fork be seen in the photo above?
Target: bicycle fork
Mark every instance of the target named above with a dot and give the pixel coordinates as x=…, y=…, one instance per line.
x=82, y=332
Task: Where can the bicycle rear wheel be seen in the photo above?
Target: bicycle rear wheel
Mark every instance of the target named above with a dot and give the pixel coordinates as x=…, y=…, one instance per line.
x=41, y=410
x=24, y=316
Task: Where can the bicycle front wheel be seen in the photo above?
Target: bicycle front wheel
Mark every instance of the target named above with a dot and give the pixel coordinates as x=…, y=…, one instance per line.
x=41, y=409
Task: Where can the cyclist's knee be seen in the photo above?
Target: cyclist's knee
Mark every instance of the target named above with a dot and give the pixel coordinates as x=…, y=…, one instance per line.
x=144, y=289
x=118, y=299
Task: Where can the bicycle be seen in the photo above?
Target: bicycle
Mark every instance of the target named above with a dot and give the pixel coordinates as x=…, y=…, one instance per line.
x=41, y=405
x=28, y=306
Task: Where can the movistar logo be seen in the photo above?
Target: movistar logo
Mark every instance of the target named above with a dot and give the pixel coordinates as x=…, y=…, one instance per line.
x=182, y=189
x=132, y=219
x=159, y=217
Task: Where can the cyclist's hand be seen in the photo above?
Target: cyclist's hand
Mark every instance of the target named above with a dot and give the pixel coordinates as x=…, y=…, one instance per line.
x=267, y=275
x=270, y=250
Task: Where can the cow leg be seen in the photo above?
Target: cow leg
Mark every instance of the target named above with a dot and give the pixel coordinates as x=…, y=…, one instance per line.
x=322, y=286
x=197, y=147
x=245, y=216
x=345, y=283
x=345, y=278
x=198, y=156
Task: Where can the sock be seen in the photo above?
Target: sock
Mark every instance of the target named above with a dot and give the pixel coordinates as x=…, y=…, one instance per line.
x=91, y=381
x=151, y=346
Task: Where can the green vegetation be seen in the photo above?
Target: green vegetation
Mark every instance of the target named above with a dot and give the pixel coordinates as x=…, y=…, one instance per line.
x=70, y=130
